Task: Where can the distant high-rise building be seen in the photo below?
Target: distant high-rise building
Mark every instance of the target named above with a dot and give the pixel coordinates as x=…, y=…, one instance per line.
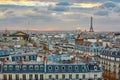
x=91, y=25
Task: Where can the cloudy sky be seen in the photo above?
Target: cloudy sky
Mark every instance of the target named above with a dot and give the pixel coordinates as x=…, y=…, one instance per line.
x=47, y=15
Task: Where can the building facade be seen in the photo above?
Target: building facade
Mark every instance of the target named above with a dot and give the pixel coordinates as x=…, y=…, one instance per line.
x=110, y=60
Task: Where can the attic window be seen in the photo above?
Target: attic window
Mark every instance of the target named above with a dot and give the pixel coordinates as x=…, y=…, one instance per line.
x=36, y=67
x=10, y=67
x=76, y=67
x=17, y=67
x=24, y=67
x=41, y=67
x=50, y=67
x=31, y=67
x=56, y=68
x=63, y=67
x=5, y=67
x=70, y=67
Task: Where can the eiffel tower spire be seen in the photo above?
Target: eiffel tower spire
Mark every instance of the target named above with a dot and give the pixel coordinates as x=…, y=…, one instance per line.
x=91, y=25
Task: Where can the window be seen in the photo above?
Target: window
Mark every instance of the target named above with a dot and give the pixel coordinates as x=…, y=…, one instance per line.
x=83, y=67
x=56, y=76
x=95, y=76
x=30, y=67
x=70, y=76
x=24, y=67
x=83, y=76
x=56, y=67
x=70, y=67
x=50, y=76
x=31, y=57
x=13, y=58
x=76, y=67
x=95, y=67
x=10, y=67
x=63, y=67
x=24, y=77
x=77, y=76
x=17, y=67
x=36, y=67
x=41, y=77
x=30, y=77
x=16, y=77
x=63, y=76
x=41, y=67
x=7, y=58
x=4, y=77
x=36, y=76
x=10, y=77
x=24, y=57
x=50, y=67
x=5, y=67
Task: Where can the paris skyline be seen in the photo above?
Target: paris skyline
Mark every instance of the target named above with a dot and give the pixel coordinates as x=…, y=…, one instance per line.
x=48, y=15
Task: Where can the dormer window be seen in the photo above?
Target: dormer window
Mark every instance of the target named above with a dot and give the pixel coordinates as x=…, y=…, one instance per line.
x=56, y=67
x=17, y=67
x=83, y=67
x=24, y=67
x=36, y=67
x=76, y=67
x=95, y=67
x=41, y=67
x=50, y=67
x=10, y=67
x=30, y=67
x=70, y=67
x=63, y=67
x=5, y=67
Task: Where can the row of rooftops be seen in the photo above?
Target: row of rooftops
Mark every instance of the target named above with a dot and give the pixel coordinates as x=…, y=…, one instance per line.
x=111, y=52
x=49, y=65
x=17, y=51
x=39, y=57
x=50, y=68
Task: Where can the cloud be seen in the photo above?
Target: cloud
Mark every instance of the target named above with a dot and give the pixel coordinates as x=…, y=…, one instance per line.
x=64, y=3
x=117, y=9
x=109, y=5
x=60, y=6
x=108, y=8
x=102, y=13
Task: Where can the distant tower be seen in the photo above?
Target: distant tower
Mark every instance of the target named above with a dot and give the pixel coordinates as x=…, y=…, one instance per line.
x=91, y=26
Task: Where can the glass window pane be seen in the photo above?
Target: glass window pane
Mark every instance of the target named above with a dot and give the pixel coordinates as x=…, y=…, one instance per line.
x=17, y=77
x=36, y=76
x=70, y=76
x=30, y=77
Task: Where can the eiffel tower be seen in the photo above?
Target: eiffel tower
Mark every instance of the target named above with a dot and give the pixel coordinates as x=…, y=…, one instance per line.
x=91, y=26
